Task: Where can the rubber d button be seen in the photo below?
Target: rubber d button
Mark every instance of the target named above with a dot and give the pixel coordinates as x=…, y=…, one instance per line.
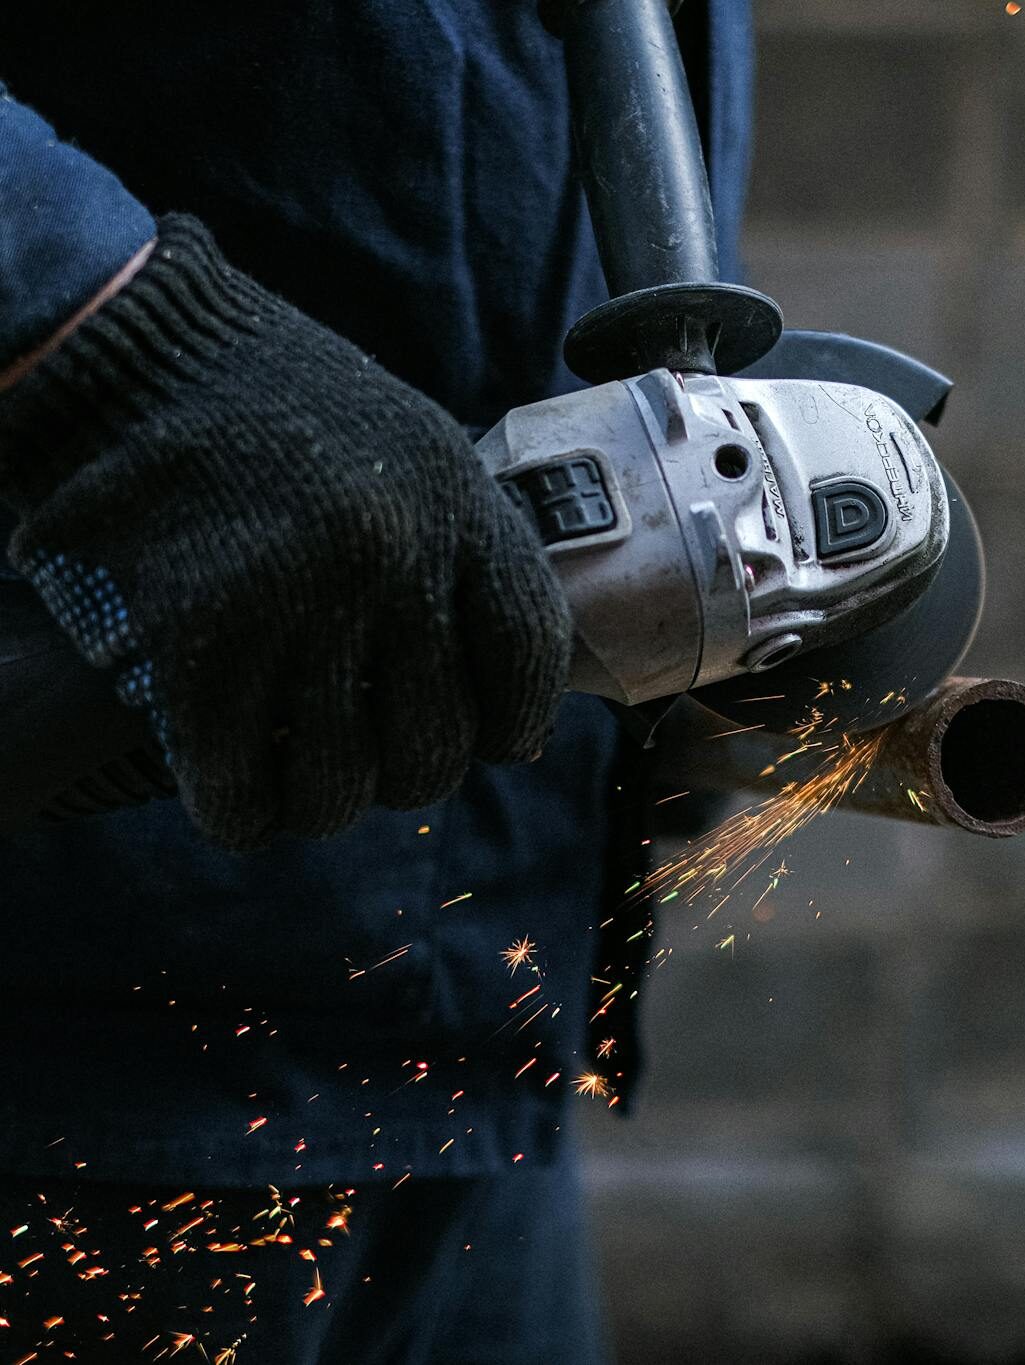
x=849, y=515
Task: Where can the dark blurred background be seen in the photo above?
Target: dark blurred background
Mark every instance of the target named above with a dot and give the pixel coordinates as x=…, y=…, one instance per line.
x=828, y=1163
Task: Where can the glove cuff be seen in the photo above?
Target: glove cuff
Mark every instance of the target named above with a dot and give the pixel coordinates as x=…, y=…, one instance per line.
x=167, y=327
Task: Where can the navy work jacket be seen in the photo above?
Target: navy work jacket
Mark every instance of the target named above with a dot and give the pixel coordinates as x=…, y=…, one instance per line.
x=401, y=170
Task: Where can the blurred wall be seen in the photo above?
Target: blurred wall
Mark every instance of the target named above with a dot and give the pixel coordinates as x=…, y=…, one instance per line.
x=829, y=1160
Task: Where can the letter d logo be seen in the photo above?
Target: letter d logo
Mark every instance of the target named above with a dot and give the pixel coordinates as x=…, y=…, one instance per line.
x=849, y=515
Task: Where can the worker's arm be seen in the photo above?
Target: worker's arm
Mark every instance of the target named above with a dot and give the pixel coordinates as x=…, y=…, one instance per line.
x=295, y=563
x=69, y=234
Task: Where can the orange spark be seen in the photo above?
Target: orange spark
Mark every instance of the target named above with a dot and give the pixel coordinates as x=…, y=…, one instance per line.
x=747, y=840
x=317, y=1291
x=590, y=1083
x=520, y=954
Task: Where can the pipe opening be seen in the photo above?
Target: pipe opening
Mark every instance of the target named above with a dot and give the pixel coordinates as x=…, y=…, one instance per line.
x=982, y=759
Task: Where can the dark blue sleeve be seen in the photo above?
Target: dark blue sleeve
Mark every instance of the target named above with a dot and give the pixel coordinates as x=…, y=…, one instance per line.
x=67, y=225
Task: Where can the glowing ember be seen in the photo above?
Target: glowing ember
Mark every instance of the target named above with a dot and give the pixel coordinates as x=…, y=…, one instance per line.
x=591, y=1084
x=317, y=1292
x=519, y=955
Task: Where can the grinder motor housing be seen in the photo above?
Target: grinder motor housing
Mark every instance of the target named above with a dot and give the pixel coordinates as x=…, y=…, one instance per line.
x=704, y=527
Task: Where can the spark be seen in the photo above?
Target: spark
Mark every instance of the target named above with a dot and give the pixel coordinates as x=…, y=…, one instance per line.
x=606, y=1046
x=591, y=1084
x=531, y=1017
x=746, y=841
x=392, y=956
x=900, y=698
x=173, y=1204
x=316, y=1292
x=519, y=955
x=276, y=1211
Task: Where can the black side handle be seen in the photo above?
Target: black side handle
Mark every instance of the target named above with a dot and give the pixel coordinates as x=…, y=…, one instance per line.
x=640, y=158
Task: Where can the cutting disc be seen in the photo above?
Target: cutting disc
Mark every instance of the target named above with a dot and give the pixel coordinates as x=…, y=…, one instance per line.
x=869, y=680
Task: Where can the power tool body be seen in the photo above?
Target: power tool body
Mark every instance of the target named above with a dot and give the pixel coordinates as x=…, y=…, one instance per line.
x=707, y=527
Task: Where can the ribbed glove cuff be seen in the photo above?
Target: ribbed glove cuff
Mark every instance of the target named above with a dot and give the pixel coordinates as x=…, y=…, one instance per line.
x=167, y=327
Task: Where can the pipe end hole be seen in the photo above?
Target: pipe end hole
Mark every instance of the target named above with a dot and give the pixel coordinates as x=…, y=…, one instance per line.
x=982, y=759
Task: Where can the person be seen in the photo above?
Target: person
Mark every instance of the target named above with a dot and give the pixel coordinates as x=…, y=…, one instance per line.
x=289, y=1061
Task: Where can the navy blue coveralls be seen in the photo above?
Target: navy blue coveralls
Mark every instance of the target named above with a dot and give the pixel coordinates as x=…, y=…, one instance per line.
x=181, y=1020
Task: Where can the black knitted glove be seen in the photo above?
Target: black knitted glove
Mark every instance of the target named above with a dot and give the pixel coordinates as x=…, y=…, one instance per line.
x=293, y=560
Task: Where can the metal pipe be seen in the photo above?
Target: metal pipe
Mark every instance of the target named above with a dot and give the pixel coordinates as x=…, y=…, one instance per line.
x=960, y=756
x=958, y=760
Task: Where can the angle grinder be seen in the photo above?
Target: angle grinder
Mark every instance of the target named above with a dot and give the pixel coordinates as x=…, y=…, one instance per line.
x=735, y=511
x=788, y=520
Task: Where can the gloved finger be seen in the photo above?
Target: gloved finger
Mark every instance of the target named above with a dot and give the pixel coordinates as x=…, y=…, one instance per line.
x=225, y=769
x=328, y=754
x=424, y=713
x=517, y=636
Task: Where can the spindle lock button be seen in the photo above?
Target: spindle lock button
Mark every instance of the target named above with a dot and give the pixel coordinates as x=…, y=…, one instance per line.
x=849, y=515
x=566, y=500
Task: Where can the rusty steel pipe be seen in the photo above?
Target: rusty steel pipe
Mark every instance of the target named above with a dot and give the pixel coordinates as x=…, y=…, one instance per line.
x=961, y=754
x=957, y=760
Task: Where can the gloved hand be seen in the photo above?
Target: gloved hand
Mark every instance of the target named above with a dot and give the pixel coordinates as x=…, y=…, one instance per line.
x=293, y=560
